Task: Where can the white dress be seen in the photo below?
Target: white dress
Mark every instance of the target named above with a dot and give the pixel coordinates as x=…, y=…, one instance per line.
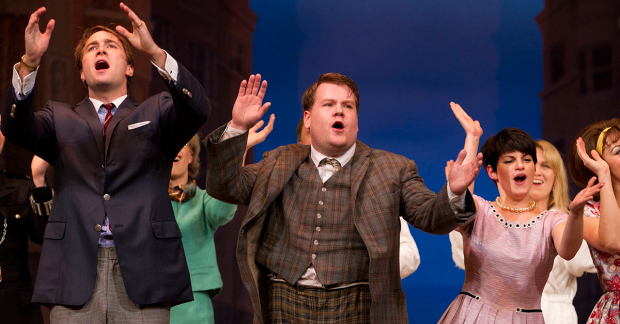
x=561, y=287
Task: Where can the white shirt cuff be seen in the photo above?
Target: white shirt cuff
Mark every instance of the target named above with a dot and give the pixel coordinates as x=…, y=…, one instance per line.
x=230, y=132
x=171, y=72
x=457, y=202
x=23, y=89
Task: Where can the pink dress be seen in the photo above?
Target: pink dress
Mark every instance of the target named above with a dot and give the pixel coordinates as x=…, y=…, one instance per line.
x=607, y=309
x=506, y=267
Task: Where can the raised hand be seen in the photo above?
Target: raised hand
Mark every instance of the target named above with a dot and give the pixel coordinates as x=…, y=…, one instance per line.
x=596, y=163
x=37, y=42
x=449, y=166
x=140, y=37
x=471, y=127
x=249, y=107
x=255, y=137
x=584, y=195
x=462, y=175
x=38, y=167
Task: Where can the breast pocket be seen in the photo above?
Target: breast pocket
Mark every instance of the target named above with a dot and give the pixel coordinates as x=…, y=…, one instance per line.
x=142, y=129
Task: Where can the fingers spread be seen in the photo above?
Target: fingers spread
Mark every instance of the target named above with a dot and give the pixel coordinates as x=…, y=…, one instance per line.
x=256, y=85
x=257, y=125
x=50, y=27
x=461, y=157
x=263, y=89
x=242, y=87
x=121, y=30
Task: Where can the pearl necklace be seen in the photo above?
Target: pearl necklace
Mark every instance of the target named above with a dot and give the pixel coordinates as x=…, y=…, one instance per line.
x=515, y=210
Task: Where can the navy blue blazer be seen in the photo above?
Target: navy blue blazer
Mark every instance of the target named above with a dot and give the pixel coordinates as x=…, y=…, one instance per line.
x=125, y=176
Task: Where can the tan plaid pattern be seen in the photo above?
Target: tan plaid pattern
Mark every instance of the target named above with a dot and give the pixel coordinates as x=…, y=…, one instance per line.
x=315, y=228
x=288, y=304
x=383, y=186
x=110, y=303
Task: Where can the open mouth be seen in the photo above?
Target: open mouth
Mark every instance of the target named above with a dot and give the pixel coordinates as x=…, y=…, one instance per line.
x=177, y=159
x=520, y=179
x=338, y=125
x=101, y=65
x=536, y=181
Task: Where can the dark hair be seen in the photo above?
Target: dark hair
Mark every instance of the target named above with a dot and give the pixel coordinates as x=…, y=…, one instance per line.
x=579, y=172
x=507, y=140
x=79, y=49
x=336, y=78
x=300, y=128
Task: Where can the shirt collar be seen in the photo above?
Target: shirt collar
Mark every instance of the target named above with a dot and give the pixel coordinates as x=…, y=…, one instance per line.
x=117, y=103
x=343, y=159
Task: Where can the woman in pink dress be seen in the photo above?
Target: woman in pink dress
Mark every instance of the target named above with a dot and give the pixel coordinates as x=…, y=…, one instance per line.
x=602, y=219
x=510, y=244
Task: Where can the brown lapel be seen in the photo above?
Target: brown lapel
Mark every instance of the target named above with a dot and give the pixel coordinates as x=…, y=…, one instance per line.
x=128, y=105
x=87, y=111
x=285, y=166
x=359, y=166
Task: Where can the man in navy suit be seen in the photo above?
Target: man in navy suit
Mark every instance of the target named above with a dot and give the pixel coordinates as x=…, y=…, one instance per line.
x=112, y=249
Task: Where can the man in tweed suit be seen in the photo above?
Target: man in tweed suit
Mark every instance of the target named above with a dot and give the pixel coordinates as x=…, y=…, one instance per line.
x=320, y=240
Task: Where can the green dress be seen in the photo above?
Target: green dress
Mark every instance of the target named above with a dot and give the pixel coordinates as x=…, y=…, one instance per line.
x=198, y=219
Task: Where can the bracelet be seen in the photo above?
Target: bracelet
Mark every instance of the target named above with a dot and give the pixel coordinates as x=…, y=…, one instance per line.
x=26, y=66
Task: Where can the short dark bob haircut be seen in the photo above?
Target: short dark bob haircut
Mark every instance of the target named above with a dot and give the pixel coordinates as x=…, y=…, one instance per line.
x=507, y=140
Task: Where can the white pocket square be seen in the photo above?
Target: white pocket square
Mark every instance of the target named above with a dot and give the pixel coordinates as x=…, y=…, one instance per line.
x=136, y=125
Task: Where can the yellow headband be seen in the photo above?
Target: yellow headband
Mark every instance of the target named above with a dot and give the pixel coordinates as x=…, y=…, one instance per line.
x=599, y=143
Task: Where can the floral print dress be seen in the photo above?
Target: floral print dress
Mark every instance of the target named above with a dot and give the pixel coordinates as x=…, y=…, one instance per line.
x=607, y=309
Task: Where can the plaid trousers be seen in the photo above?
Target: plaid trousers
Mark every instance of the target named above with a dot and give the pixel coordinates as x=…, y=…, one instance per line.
x=309, y=305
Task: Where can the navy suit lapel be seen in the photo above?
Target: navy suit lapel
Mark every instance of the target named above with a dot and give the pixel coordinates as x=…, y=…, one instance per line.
x=128, y=105
x=87, y=111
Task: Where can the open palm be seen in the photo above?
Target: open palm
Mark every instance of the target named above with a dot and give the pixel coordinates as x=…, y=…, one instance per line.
x=249, y=107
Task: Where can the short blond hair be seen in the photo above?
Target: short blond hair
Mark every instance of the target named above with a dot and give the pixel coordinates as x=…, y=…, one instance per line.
x=194, y=149
x=558, y=197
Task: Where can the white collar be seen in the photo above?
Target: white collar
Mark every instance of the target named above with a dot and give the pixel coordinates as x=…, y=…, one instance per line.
x=343, y=159
x=117, y=103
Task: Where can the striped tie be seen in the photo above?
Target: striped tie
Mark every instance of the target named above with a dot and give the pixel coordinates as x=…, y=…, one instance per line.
x=108, y=116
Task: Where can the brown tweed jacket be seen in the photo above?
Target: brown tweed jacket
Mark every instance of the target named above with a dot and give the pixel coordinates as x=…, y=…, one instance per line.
x=383, y=186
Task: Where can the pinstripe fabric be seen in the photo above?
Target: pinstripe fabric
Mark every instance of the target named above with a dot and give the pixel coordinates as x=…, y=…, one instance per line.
x=319, y=306
x=383, y=186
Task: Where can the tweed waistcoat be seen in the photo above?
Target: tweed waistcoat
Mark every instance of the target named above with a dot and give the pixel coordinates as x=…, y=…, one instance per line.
x=312, y=224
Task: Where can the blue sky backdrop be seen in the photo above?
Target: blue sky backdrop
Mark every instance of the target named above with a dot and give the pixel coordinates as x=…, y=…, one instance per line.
x=409, y=60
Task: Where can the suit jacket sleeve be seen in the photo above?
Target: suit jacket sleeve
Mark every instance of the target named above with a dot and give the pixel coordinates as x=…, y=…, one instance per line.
x=428, y=211
x=188, y=111
x=27, y=129
x=227, y=180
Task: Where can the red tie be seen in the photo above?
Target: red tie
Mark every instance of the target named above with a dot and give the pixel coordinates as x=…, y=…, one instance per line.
x=108, y=116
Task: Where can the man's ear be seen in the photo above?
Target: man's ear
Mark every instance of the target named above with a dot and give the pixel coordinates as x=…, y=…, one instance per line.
x=129, y=71
x=307, y=118
x=492, y=174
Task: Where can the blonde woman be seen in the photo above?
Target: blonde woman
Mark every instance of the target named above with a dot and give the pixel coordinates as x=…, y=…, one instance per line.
x=550, y=188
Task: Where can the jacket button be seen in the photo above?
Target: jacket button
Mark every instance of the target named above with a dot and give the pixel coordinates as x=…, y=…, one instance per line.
x=17, y=216
x=13, y=110
x=106, y=197
x=98, y=228
x=187, y=93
